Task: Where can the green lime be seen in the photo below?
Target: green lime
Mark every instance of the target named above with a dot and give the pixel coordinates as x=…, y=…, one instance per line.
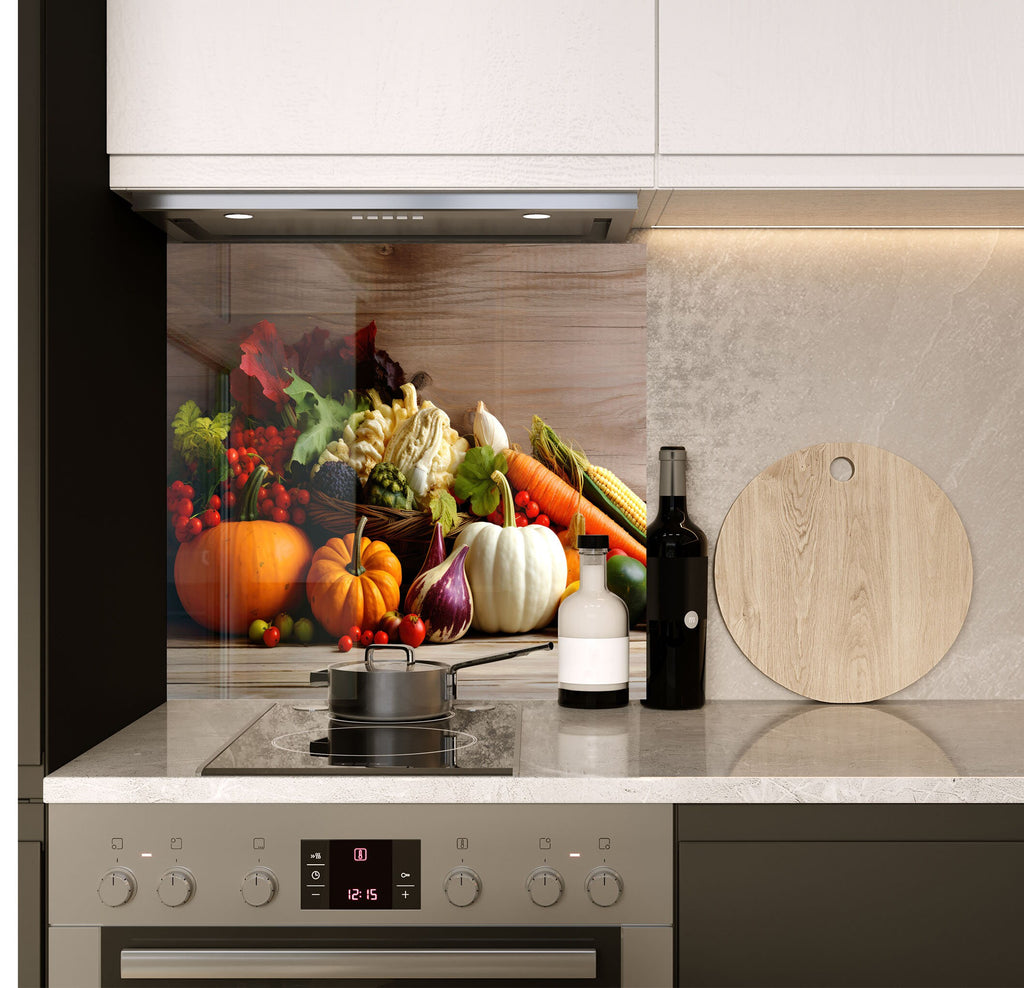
x=256, y=630
x=304, y=630
x=627, y=577
x=284, y=623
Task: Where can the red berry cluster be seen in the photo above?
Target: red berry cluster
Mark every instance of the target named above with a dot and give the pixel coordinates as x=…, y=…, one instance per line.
x=280, y=503
x=527, y=512
x=271, y=445
x=187, y=522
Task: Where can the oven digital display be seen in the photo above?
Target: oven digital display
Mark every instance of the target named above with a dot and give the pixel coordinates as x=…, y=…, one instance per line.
x=360, y=874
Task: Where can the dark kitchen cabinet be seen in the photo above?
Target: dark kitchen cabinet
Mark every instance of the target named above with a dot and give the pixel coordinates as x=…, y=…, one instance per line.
x=863, y=895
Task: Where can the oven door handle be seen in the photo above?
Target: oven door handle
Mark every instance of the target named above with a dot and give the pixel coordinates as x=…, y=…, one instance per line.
x=442, y=965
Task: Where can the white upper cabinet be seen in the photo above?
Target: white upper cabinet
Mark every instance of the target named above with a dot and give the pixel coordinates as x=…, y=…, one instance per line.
x=881, y=80
x=419, y=78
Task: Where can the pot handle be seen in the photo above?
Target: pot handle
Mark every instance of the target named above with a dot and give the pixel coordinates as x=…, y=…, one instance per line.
x=321, y=676
x=410, y=659
x=452, y=669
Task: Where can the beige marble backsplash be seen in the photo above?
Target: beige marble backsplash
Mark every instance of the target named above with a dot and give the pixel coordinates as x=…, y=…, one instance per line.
x=761, y=342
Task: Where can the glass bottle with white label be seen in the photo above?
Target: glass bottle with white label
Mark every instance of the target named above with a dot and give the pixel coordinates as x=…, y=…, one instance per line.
x=593, y=636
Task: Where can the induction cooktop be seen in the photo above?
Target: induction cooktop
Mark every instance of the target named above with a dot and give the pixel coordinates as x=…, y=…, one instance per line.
x=480, y=738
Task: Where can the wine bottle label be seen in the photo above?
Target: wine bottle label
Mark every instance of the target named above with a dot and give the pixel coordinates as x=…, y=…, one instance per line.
x=590, y=664
x=677, y=589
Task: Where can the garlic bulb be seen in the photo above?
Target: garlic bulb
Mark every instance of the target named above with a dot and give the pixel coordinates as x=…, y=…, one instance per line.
x=488, y=431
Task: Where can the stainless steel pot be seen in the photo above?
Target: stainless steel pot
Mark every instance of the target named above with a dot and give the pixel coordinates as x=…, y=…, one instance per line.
x=393, y=691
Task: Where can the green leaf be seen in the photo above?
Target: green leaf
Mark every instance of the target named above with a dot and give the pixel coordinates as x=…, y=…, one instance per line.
x=200, y=440
x=443, y=509
x=322, y=419
x=473, y=481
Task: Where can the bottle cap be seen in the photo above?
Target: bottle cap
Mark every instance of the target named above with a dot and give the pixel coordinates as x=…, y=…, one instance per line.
x=592, y=541
x=672, y=453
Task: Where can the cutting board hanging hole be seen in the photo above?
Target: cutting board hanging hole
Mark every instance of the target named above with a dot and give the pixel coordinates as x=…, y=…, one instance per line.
x=841, y=468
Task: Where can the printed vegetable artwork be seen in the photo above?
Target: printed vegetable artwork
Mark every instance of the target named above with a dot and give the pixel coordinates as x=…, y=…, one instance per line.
x=230, y=575
x=560, y=502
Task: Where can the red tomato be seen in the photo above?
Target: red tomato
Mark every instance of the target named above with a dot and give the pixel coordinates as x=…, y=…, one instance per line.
x=532, y=509
x=355, y=633
x=543, y=520
x=522, y=499
x=366, y=638
x=412, y=630
x=271, y=636
x=344, y=644
x=380, y=638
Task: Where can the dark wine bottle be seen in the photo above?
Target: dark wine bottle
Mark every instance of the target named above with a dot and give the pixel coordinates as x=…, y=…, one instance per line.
x=677, y=594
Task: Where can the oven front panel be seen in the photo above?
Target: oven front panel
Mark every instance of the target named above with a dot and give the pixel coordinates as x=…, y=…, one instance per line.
x=169, y=865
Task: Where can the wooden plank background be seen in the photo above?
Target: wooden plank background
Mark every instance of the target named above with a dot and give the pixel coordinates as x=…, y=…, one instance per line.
x=556, y=330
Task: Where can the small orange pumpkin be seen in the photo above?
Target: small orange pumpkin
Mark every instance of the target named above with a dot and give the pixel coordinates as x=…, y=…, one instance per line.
x=229, y=575
x=353, y=581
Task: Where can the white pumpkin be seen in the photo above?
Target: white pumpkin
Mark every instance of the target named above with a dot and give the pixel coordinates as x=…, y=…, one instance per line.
x=516, y=575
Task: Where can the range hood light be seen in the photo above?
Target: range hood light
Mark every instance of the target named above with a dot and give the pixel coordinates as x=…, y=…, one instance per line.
x=238, y=216
x=536, y=216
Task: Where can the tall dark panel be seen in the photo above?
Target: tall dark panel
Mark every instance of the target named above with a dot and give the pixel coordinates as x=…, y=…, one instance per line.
x=102, y=405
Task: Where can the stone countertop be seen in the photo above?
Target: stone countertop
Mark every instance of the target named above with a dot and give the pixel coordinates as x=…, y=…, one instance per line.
x=742, y=751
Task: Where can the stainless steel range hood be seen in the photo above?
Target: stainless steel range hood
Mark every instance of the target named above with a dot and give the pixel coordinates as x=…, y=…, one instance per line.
x=501, y=217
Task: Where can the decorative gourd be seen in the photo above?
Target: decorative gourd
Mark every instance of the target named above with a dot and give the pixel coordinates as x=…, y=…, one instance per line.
x=516, y=575
x=353, y=580
x=420, y=447
x=388, y=488
x=442, y=598
x=435, y=551
x=235, y=572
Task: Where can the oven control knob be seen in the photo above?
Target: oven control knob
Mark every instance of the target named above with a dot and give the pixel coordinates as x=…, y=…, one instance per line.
x=604, y=887
x=176, y=887
x=545, y=886
x=117, y=887
x=462, y=886
x=259, y=886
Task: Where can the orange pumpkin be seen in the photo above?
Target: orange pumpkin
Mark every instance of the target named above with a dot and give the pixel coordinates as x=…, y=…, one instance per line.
x=229, y=575
x=353, y=581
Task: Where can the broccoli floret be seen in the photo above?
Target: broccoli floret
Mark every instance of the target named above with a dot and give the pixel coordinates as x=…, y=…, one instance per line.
x=338, y=480
x=388, y=488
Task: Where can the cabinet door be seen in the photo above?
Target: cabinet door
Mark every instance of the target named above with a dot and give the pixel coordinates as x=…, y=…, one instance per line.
x=849, y=913
x=393, y=77
x=803, y=77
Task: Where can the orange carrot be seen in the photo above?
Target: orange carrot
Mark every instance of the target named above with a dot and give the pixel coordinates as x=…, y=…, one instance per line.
x=560, y=502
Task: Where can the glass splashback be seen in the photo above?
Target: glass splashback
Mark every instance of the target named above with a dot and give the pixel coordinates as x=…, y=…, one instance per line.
x=298, y=364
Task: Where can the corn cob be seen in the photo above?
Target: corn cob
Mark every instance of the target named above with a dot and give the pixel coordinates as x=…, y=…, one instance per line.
x=597, y=484
x=619, y=494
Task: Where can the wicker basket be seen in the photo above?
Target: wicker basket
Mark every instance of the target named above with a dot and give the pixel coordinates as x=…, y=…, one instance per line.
x=407, y=533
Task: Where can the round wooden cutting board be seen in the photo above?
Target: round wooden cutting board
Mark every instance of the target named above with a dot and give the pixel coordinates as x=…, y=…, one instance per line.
x=843, y=590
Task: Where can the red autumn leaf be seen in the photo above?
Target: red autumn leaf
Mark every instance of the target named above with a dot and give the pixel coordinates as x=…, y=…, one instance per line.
x=358, y=346
x=265, y=358
x=311, y=351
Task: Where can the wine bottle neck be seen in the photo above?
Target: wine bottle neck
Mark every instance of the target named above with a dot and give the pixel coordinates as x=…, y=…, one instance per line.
x=672, y=480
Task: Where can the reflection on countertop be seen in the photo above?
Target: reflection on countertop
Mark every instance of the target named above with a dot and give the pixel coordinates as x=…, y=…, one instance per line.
x=729, y=751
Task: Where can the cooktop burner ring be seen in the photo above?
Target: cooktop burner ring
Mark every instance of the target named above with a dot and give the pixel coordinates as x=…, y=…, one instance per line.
x=460, y=740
